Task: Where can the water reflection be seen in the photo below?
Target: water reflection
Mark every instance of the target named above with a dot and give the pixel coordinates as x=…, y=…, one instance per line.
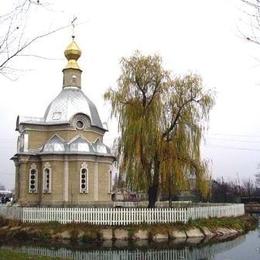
x=141, y=250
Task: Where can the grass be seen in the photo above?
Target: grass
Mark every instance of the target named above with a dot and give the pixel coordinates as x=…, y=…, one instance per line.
x=11, y=255
x=244, y=223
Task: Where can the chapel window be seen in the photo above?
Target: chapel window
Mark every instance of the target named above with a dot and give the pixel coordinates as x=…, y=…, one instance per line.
x=33, y=179
x=47, y=179
x=84, y=179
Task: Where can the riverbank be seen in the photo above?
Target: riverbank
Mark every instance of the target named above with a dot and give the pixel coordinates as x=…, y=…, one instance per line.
x=220, y=228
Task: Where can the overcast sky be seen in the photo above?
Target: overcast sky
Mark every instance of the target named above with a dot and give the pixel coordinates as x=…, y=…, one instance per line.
x=199, y=36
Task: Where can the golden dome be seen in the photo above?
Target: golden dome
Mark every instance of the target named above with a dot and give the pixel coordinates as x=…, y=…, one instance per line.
x=72, y=53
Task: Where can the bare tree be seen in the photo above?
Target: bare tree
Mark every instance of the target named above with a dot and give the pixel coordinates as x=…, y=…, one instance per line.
x=2, y=187
x=249, y=187
x=257, y=177
x=251, y=9
x=14, y=39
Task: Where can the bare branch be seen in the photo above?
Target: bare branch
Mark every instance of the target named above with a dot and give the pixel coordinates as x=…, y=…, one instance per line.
x=37, y=56
x=178, y=115
x=254, y=26
x=13, y=27
x=21, y=49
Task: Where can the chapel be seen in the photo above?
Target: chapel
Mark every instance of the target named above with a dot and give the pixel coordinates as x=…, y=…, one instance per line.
x=61, y=159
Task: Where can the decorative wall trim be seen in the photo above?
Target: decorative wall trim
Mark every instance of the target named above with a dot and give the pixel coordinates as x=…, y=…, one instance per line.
x=110, y=178
x=25, y=142
x=66, y=180
x=96, y=181
x=65, y=129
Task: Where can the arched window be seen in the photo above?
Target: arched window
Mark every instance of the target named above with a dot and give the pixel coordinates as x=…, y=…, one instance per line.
x=46, y=181
x=33, y=179
x=83, y=178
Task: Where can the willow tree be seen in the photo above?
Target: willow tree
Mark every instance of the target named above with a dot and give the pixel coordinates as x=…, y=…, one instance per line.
x=161, y=121
x=186, y=107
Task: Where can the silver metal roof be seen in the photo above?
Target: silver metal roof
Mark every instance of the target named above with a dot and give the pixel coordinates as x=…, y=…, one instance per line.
x=30, y=119
x=80, y=145
x=69, y=102
x=56, y=144
x=99, y=147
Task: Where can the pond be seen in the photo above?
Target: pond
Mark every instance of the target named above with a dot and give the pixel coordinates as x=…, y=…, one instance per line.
x=245, y=247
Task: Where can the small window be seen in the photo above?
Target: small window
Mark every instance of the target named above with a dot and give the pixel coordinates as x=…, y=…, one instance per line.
x=47, y=180
x=81, y=121
x=56, y=116
x=84, y=179
x=74, y=79
x=80, y=124
x=33, y=179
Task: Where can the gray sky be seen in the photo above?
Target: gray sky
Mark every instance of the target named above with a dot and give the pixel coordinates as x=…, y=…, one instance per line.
x=199, y=36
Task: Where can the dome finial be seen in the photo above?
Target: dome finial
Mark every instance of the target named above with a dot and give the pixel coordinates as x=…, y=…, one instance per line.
x=72, y=52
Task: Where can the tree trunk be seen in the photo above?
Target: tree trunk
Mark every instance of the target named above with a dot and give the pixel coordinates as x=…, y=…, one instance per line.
x=154, y=188
x=170, y=190
x=152, y=196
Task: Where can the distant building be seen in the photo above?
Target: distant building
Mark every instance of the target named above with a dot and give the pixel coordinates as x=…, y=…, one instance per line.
x=61, y=159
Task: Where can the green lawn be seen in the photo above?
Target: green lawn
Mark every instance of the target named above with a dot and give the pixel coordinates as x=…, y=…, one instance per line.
x=6, y=254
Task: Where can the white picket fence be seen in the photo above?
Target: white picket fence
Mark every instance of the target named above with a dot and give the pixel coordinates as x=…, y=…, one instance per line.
x=119, y=216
